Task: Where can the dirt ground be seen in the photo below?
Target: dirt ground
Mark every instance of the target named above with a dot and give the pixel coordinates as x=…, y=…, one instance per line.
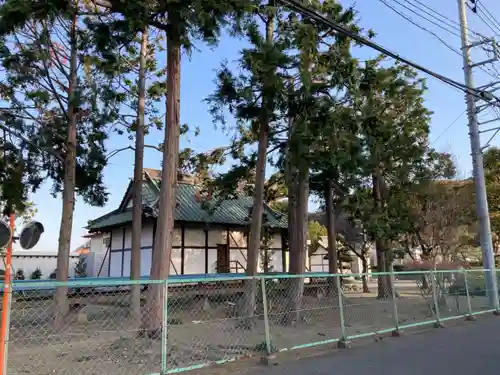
x=100, y=338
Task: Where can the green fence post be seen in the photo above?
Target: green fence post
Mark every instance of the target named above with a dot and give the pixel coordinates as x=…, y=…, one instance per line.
x=438, y=323
x=265, y=359
x=395, y=332
x=497, y=309
x=343, y=342
x=164, y=330
x=469, y=315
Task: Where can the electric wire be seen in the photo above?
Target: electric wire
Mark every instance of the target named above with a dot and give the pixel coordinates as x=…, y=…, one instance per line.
x=448, y=127
x=455, y=32
x=313, y=15
x=428, y=10
x=482, y=15
x=486, y=13
x=494, y=74
x=407, y=18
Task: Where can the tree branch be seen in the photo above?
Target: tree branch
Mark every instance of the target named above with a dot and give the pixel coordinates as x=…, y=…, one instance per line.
x=117, y=151
x=27, y=141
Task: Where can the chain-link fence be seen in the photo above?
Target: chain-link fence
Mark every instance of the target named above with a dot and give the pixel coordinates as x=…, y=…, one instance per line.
x=192, y=323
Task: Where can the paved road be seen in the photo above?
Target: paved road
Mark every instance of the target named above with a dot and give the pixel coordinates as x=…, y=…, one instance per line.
x=471, y=348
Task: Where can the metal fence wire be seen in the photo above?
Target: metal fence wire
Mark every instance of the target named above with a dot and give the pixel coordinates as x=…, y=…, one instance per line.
x=193, y=323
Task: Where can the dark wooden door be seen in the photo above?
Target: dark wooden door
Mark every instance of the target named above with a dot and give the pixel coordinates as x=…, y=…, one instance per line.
x=223, y=258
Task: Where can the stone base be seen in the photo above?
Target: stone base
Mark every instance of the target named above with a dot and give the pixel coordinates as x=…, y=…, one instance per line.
x=269, y=360
x=343, y=344
x=470, y=318
x=81, y=318
x=396, y=333
x=496, y=313
x=438, y=325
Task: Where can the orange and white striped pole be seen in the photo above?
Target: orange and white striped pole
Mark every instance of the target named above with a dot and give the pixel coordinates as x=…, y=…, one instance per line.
x=6, y=301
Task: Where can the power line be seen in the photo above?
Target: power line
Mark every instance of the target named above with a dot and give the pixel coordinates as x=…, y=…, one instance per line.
x=456, y=32
x=480, y=13
x=294, y=5
x=420, y=26
x=407, y=18
x=449, y=127
x=490, y=16
x=455, y=24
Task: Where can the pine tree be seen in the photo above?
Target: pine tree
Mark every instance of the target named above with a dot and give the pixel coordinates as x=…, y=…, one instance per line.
x=19, y=274
x=36, y=274
x=66, y=108
x=394, y=129
x=81, y=267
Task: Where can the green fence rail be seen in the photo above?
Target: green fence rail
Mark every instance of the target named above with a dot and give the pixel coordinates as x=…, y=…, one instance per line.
x=192, y=323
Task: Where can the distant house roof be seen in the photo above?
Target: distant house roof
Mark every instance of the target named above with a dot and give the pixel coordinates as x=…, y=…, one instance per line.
x=342, y=226
x=82, y=249
x=188, y=207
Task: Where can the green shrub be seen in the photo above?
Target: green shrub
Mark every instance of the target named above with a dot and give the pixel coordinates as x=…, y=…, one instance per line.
x=398, y=267
x=19, y=275
x=36, y=274
x=81, y=267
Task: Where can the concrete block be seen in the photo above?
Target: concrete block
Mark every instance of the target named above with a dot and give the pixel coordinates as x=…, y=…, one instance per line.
x=269, y=360
x=343, y=344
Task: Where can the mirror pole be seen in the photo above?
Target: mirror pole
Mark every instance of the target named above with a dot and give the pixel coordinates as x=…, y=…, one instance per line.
x=7, y=293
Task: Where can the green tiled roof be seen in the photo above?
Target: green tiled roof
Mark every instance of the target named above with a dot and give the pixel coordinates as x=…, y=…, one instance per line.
x=189, y=209
x=111, y=219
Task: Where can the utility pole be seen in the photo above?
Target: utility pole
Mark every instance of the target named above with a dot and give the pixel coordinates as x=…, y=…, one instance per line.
x=477, y=165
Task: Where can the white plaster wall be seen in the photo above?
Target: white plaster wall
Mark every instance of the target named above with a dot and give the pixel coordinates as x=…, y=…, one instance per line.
x=146, y=260
x=128, y=238
x=147, y=235
x=193, y=237
x=212, y=260
x=177, y=237
x=276, y=242
x=98, y=258
x=175, y=262
x=239, y=255
x=126, y=263
x=317, y=263
x=194, y=261
x=46, y=264
x=275, y=261
x=237, y=239
x=96, y=244
x=117, y=239
x=115, y=266
x=194, y=257
x=215, y=237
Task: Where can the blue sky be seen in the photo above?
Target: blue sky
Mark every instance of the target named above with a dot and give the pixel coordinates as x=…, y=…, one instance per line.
x=393, y=32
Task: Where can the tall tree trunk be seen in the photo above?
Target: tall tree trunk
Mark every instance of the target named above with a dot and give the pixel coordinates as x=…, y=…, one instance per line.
x=165, y=226
x=302, y=220
x=383, y=263
x=254, y=241
x=68, y=194
x=298, y=195
x=364, y=280
x=135, y=259
x=383, y=286
x=293, y=285
x=332, y=238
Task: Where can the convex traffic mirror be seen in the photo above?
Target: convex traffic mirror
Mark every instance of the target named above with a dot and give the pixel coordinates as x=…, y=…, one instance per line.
x=28, y=238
